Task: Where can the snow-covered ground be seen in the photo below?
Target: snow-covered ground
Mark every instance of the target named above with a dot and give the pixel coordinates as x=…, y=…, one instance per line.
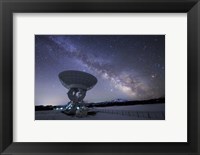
x=134, y=112
x=150, y=107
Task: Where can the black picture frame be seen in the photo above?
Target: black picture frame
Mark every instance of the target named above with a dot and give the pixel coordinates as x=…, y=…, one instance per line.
x=8, y=7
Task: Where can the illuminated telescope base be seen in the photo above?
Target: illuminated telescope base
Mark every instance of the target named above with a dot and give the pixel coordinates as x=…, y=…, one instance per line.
x=75, y=109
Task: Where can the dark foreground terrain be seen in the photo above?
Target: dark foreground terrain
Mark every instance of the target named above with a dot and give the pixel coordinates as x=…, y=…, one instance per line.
x=129, y=112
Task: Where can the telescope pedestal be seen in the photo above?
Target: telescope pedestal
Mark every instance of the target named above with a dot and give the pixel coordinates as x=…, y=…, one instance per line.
x=76, y=107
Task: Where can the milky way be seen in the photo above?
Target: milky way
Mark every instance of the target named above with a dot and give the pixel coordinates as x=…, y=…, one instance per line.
x=130, y=67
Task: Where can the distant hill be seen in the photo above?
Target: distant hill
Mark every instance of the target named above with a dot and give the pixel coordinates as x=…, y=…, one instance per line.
x=120, y=102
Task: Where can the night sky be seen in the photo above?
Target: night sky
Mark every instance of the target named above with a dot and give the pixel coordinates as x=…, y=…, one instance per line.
x=129, y=67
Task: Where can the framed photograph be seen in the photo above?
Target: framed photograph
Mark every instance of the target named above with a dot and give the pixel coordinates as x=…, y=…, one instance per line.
x=100, y=87
x=103, y=77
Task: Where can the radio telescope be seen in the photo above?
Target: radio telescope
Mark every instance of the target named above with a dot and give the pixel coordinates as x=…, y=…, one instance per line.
x=78, y=83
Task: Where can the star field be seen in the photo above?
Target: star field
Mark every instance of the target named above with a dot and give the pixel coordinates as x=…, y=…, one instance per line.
x=130, y=67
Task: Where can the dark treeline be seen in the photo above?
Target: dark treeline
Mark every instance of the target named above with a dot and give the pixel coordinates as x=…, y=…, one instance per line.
x=42, y=108
x=106, y=104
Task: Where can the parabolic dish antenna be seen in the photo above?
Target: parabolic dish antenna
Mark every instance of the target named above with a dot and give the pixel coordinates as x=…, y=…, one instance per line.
x=78, y=83
x=77, y=79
